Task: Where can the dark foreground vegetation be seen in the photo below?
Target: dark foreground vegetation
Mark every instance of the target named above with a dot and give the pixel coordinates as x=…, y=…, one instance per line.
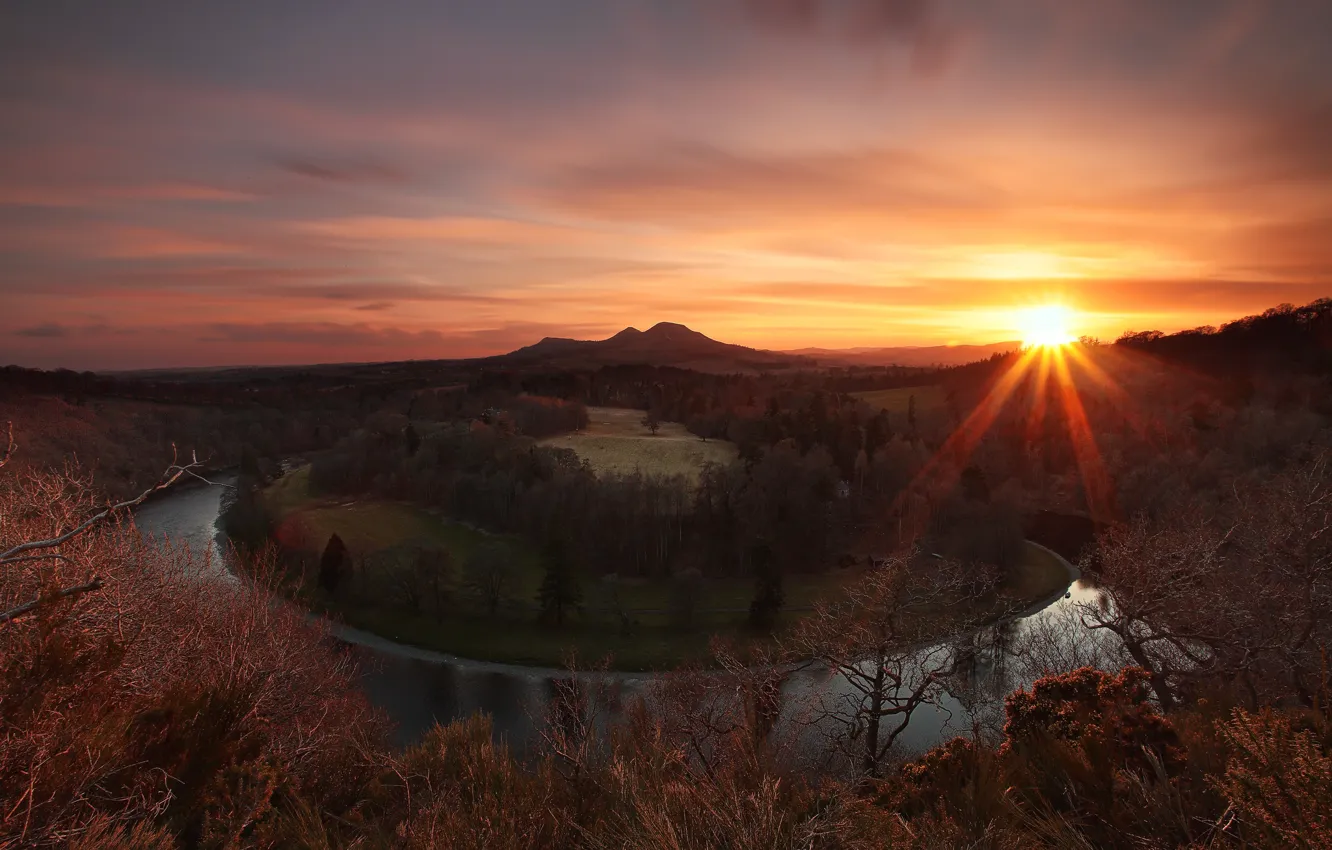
x=144, y=706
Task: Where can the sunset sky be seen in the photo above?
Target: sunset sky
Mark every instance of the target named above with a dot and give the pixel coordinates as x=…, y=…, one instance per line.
x=282, y=181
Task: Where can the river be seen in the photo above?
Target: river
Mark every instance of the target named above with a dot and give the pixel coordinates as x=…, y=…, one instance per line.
x=418, y=687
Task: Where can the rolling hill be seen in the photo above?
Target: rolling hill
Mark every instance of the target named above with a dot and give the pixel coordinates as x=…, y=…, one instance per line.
x=663, y=344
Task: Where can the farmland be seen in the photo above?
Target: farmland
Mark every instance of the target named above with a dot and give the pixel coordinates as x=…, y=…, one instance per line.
x=617, y=443
x=898, y=399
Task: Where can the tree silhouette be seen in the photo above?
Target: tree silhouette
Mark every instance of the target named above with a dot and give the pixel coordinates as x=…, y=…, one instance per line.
x=559, y=592
x=333, y=564
x=652, y=423
x=768, y=594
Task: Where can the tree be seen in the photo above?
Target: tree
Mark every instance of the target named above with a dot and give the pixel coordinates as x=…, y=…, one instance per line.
x=490, y=574
x=411, y=439
x=652, y=422
x=333, y=564
x=768, y=594
x=421, y=578
x=686, y=587
x=889, y=655
x=1167, y=600
x=911, y=412
x=559, y=592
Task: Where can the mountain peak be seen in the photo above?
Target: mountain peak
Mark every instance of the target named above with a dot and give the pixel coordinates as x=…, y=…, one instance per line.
x=628, y=333
x=670, y=329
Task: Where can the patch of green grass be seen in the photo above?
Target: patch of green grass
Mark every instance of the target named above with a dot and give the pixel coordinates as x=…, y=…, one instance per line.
x=513, y=635
x=897, y=399
x=509, y=640
x=289, y=492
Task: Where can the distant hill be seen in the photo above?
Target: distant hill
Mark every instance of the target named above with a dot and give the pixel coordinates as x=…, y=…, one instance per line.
x=663, y=344
x=906, y=355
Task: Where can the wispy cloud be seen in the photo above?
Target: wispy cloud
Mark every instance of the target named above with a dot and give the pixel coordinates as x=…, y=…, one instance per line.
x=457, y=178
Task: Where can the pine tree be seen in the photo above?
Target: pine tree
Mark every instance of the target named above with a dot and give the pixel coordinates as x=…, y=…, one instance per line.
x=559, y=592
x=333, y=564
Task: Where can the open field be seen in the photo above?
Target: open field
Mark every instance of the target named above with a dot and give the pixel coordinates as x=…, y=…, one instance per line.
x=626, y=620
x=896, y=400
x=616, y=443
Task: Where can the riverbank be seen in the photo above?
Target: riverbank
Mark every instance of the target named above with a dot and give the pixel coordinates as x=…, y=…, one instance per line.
x=630, y=623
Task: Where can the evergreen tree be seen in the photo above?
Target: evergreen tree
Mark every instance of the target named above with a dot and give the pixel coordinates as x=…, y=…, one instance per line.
x=333, y=564
x=559, y=592
x=411, y=439
x=768, y=593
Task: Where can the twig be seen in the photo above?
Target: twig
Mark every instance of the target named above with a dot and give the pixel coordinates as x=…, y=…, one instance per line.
x=27, y=607
x=173, y=474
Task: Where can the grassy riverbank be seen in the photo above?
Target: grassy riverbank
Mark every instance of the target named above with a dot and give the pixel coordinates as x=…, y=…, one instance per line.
x=626, y=620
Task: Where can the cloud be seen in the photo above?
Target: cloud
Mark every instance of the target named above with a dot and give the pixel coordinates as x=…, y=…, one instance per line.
x=706, y=183
x=352, y=336
x=58, y=196
x=915, y=24
x=50, y=330
x=375, y=306
x=458, y=229
x=340, y=170
x=380, y=292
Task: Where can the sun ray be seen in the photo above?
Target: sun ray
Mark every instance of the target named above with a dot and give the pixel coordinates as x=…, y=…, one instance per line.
x=962, y=442
x=1037, y=415
x=1117, y=395
x=1091, y=467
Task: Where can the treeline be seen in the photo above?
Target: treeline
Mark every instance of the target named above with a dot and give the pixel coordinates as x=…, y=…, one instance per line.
x=122, y=443
x=1285, y=337
x=790, y=500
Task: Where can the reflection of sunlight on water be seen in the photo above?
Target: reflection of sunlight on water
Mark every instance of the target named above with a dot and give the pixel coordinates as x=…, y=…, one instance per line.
x=418, y=687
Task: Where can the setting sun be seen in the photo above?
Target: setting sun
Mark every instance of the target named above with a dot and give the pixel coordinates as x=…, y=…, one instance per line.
x=1045, y=326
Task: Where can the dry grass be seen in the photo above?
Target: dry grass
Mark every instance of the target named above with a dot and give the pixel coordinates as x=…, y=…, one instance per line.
x=616, y=443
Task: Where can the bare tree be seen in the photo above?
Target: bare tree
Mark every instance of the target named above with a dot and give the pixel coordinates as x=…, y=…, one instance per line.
x=48, y=549
x=1166, y=599
x=490, y=574
x=1284, y=540
x=884, y=642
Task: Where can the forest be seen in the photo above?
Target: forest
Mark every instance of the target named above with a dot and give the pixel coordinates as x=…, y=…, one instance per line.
x=1187, y=476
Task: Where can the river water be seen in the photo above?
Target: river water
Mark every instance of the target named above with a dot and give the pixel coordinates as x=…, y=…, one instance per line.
x=418, y=687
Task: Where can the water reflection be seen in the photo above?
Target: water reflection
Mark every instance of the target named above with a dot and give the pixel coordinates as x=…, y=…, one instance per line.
x=418, y=688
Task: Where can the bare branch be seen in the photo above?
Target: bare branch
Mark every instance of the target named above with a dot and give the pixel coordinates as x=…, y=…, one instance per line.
x=65, y=593
x=172, y=474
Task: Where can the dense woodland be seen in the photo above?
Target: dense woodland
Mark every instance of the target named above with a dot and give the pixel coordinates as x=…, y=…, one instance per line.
x=137, y=709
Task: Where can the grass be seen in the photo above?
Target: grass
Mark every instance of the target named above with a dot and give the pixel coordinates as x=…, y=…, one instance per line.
x=617, y=443
x=897, y=399
x=513, y=635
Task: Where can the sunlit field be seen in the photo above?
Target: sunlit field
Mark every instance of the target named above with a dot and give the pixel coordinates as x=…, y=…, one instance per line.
x=617, y=443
